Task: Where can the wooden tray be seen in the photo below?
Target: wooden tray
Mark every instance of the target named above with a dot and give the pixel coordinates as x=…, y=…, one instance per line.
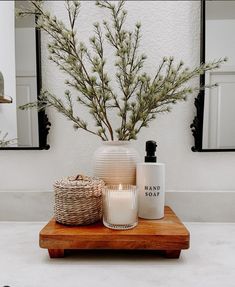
x=167, y=235
x=5, y=101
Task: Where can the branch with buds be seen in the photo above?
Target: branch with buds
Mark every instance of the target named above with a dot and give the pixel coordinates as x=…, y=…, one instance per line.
x=4, y=141
x=141, y=96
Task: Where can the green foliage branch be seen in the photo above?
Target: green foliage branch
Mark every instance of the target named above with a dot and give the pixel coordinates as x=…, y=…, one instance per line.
x=4, y=141
x=140, y=97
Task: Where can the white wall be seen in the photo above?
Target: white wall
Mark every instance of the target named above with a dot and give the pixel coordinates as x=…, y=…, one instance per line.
x=219, y=117
x=26, y=85
x=7, y=67
x=220, y=41
x=26, y=52
x=169, y=28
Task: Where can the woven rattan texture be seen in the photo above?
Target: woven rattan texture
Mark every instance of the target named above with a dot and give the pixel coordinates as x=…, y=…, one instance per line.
x=78, y=200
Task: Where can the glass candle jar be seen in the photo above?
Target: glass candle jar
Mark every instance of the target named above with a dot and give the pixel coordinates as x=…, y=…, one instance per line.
x=120, y=206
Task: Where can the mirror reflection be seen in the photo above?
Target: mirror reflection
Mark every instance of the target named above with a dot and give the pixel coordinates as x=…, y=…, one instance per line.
x=18, y=77
x=219, y=102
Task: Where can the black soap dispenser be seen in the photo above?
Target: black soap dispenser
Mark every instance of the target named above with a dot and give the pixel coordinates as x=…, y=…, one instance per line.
x=151, y=184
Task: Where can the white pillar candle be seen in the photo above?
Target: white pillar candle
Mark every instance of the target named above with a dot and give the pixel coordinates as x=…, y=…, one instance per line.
x=120, y=206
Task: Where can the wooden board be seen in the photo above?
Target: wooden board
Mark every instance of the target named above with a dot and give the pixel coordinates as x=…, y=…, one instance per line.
x=5, y=101
x=168, y=235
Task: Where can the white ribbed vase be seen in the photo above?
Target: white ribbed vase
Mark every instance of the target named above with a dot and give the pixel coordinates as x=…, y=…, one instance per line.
x=115, y=162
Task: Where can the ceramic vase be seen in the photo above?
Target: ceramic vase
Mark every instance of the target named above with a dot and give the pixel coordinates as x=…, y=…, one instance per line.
x=115, y=162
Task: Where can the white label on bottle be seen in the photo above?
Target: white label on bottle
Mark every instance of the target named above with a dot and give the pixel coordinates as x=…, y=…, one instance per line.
x=151, y=184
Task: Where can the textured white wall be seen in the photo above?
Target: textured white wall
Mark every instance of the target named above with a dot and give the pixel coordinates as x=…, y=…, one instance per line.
x=169, y=28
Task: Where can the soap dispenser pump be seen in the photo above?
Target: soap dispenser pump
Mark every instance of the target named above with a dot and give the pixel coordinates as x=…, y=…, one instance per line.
x=151, y=184
x=150, y=151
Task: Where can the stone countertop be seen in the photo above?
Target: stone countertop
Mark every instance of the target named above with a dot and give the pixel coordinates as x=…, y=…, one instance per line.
x=210, y=261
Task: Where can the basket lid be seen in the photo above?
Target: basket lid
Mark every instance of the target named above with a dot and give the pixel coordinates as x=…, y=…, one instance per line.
x=78, y=181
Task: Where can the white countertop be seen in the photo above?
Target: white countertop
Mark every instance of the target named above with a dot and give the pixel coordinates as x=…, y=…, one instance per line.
x=210, y=261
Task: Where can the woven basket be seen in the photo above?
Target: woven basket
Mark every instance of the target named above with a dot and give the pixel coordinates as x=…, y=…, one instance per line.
x=78, y=200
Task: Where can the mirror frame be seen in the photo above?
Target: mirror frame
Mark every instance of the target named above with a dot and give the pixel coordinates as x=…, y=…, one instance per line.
x=43, y=121
x=197, y=125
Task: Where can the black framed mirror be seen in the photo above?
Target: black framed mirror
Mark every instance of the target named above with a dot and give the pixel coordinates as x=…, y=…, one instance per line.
x=20, y=81
x=214, y=125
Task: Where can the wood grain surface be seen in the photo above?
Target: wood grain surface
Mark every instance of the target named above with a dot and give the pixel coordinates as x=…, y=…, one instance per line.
x=167, y=234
